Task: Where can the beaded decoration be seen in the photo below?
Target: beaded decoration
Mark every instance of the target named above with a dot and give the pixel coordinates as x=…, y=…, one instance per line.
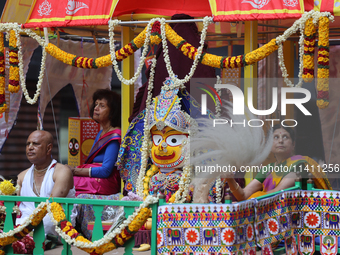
x=166, y=111
x=167, y=182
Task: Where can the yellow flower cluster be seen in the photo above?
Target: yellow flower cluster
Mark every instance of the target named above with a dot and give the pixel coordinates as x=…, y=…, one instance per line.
x=308, y=56
x=3, y=105
x=140, y=219
x=39, y=216
x=59, y=54
x=104, y=61
x=154, y=39
x=7, y=240
x=323, y=64
x=7, y=187
x=261, y=53
x=13, y=85
x=58, y=212
x=151, y=172
x=172, y=36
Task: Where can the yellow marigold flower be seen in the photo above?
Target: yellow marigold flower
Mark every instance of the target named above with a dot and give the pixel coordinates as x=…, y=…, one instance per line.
x=7, y=240
x=66, y=228
x=320, y=59
x=12, y=39
x=123, y=234
x=322, y=104
x=323, y=73
x=72, y=232
x=13, y=89
x=322, y=85
x=324, y=52
x=120, y=241
x=7, y=187
x=82, y=239
x=57, y=211
x=106, y=248
x=13, y=54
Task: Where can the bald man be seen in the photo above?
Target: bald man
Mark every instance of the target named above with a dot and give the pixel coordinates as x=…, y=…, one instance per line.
x=45, y=178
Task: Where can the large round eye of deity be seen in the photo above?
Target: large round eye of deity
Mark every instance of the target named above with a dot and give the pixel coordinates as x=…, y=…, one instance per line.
x=157, y=139
x=175, y=140
x=166, y=151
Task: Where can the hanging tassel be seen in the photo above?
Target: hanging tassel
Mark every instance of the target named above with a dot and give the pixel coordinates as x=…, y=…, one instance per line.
x=13, y=85
x=3, y=105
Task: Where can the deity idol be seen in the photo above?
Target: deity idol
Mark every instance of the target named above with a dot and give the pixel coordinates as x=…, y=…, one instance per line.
x=169, y=128
x=154, y=153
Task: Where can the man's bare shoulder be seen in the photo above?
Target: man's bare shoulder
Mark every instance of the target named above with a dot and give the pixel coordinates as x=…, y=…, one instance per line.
x=62, y=170
x=63, y=180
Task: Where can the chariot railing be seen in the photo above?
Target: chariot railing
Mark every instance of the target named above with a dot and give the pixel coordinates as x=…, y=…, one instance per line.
x=67, y=203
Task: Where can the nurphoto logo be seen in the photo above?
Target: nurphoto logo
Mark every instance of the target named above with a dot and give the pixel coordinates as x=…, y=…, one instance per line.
x=239, y=102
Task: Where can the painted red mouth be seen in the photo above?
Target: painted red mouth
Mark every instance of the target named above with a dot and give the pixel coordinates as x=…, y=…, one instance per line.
x=171, y=156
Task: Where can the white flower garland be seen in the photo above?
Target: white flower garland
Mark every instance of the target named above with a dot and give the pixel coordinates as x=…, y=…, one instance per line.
x=218, y=104
x=15, y=209
x=27, y=222
x=112, y=24
x=298, y=24
x=22, y=75
x=145, y=145
x=183, y=189
x=15, y=26
x=181, y=82
x=218, y=190
x=107, y=238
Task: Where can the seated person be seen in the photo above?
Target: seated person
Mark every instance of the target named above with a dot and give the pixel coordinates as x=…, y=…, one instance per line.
x=269, y=181
x=98, y=175
x=45, y=178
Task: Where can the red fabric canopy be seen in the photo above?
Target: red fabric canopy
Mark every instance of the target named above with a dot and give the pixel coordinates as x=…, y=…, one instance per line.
x=63, y=13
x=66, y=13
x=256, y=9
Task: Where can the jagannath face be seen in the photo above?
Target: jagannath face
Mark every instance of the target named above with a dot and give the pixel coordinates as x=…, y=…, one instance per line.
x=73, y=147
x=167, y=147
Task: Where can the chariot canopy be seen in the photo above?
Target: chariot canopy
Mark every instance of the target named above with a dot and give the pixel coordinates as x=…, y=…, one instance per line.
x=68, y=13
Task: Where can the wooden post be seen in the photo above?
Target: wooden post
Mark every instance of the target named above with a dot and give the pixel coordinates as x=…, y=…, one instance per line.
x=127, y=90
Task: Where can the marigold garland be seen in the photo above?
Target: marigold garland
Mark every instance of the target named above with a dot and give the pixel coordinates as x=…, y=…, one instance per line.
x=22, y=230
x=3, y=105
x=323, y=64
x=119, y=240
x=176, y=40
x=308, y=56
x=151, y=172
x=13, y=85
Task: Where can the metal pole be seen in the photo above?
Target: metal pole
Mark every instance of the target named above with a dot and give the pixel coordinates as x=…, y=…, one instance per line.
x=133, y=22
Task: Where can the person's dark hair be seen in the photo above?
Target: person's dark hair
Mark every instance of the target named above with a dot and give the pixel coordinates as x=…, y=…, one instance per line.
x=114, y=103
x=288, y=129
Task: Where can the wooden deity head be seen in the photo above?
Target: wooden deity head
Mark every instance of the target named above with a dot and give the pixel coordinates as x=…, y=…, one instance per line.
x=169, y=127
